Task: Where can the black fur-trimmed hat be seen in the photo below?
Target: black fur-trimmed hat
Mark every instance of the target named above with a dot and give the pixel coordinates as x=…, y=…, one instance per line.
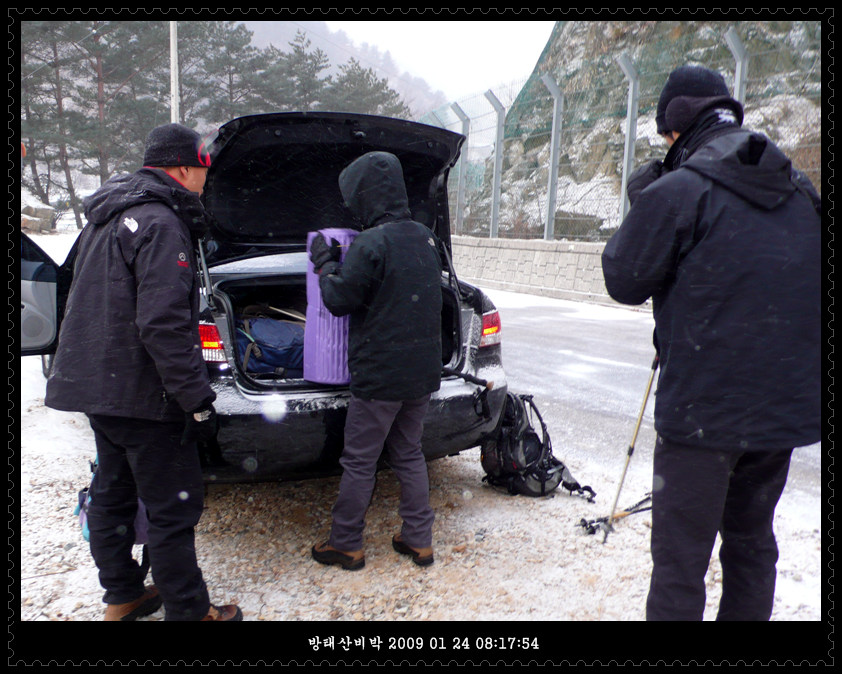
x=174, y=145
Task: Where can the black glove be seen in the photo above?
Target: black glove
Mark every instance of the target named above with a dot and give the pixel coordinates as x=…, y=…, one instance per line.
x=642, y=177
x=200, y=425
x=321, y=253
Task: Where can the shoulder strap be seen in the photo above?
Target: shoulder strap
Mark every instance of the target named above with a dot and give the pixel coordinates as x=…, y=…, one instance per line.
x=547, y=448
x=568, y=481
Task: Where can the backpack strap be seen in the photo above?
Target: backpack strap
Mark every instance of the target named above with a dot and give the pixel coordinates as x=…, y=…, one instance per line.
x=546, y=443
x=252, y=347
x=567, y=480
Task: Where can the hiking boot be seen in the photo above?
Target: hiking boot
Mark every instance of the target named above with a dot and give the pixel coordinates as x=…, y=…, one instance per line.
x=149, y=602
x=350, y=561
x=421, y=556
x=230, y=612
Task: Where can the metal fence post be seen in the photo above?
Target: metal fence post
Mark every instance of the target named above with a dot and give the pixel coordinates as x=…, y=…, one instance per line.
x=555, y=143
x=463, y=166
x=631, y=128
x=735, y=44
x=498, y=161
x=174, y=93
x=438, y=119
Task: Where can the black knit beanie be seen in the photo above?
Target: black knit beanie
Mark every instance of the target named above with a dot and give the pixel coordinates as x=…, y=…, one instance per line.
x=689, y=91
x=174, y=145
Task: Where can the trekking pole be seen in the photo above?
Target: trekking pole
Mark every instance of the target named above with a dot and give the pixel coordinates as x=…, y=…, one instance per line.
x=633, y=440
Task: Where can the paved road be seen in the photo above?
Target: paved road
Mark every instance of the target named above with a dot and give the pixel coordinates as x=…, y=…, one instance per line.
x=588, y=367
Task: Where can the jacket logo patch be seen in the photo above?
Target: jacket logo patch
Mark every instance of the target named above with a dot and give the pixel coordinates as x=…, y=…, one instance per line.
x=182, y=260
x=131, y=223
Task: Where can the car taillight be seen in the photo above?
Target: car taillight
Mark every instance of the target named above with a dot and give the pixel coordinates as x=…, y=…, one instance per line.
x=490, y=329
x=211, y=343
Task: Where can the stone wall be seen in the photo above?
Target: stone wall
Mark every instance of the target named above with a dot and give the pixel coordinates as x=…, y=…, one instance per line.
x=569, y=270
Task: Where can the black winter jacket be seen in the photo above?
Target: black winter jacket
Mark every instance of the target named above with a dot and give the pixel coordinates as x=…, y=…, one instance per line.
x=390, y=284
x=729, y=250
x=129, y=342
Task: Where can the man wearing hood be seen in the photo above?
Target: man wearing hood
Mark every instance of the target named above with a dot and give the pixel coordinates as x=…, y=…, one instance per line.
x=129, y=357
x=390, y=284
x=724, y=236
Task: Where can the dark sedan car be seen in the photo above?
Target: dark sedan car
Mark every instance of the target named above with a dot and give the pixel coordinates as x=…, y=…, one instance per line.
x=274, y=179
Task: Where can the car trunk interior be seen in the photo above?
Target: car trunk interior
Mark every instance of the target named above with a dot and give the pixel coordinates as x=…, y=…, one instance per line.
x=288, y=294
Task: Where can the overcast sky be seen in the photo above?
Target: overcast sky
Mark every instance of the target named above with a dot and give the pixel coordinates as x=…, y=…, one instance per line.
x=460, y=58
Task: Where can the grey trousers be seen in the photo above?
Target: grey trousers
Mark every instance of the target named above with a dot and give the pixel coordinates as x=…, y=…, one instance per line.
x=371, y=425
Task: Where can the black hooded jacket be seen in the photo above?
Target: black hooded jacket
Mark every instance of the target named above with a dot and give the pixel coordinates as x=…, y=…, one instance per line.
x=390, y=284
x=727, y=245
x=129, y=342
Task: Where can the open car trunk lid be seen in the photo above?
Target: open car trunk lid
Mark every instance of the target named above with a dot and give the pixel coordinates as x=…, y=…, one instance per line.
x=274, y=177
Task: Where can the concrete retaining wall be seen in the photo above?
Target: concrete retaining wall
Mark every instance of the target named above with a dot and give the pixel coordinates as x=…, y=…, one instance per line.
x=569, y=270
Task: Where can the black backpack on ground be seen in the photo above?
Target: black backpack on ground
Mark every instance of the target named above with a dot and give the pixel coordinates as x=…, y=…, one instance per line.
x=517, y=458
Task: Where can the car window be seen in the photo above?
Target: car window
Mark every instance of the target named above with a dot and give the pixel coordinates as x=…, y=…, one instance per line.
x=35, y=265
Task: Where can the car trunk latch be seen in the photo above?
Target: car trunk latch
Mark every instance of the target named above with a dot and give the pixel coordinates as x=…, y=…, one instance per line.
x=481, y=407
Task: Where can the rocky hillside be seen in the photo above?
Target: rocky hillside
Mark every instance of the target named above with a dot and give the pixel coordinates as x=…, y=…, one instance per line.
x=783, y=99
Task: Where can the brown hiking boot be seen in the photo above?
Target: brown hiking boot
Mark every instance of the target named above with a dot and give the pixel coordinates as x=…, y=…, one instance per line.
x=230, y=612
x=421, y=556
x=149, y=602
x=350, y=561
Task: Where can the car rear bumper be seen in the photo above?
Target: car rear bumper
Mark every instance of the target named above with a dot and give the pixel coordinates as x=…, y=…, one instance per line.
x=277, y=436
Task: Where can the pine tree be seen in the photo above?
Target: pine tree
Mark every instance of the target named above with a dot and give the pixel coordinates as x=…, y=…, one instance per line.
x=358, y=89
x=92, y=90
x=228, y=71
x=297, y=77
x=123, y=70
x=49, y=119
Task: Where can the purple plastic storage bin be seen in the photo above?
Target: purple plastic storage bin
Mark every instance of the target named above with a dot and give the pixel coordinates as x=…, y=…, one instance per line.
x=325, y=335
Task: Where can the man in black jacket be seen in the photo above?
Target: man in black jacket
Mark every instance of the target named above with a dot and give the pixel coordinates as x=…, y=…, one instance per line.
x=724, y=236
x=129, y=358
x=390, y=284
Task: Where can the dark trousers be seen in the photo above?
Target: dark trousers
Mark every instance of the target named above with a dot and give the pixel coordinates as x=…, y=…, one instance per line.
x=370, y=425
x=144, y=458
x=697, y=493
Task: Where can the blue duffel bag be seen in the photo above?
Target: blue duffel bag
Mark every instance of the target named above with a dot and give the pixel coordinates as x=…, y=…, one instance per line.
x=271, y=346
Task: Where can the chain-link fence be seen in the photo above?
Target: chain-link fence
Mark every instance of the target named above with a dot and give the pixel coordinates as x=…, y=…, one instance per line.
x=598, y=86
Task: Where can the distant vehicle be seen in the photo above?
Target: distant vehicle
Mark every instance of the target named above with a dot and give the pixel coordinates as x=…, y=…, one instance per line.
x=273, y=179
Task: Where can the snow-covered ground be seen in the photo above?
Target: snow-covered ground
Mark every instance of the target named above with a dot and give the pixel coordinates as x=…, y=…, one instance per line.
x=499, y=558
